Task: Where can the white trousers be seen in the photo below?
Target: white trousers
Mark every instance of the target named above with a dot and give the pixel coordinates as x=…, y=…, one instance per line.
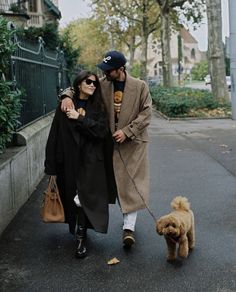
x=77, y=201
x=130, y=220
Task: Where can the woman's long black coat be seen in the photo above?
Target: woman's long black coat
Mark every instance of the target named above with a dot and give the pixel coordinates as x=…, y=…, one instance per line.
x=75, y=153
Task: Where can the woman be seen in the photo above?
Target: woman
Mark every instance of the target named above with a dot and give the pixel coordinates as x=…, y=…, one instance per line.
x=74, y=153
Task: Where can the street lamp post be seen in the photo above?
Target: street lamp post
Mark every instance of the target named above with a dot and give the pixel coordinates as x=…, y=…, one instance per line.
x=232, y=29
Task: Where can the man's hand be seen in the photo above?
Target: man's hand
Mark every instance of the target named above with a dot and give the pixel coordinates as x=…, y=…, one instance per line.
x=119, y=136
x=67, y=104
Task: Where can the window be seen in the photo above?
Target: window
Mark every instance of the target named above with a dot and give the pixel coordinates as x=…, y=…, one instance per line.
x=33, y=7
x=155, y=69
x=193, y=55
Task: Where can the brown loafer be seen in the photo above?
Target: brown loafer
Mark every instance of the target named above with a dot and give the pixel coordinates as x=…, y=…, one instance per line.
x=128, y=238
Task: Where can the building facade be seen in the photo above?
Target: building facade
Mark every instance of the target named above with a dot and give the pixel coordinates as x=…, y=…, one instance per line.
x=190, y=54
x=26, y=13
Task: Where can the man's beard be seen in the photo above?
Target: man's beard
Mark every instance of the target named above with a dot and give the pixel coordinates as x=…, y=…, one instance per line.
x=109, y=78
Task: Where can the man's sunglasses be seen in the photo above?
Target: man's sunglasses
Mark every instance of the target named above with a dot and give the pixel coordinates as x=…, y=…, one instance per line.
x=90, y=81
x=108, y=72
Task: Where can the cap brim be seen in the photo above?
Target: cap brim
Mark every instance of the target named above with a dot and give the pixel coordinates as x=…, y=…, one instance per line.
x=105, y=67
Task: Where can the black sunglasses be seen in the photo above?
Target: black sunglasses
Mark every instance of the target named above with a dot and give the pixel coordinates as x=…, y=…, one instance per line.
x=90, y=81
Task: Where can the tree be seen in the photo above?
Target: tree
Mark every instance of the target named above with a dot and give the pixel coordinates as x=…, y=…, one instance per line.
x=216, y=50
x=171, y=10
x=86, y=35
x=200, y=70
x=139, y=17
x=121, y=31
x=71, y=53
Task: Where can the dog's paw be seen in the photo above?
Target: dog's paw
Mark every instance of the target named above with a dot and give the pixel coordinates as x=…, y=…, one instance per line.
x=183, y=253
x=170, y=259
x=191, y=245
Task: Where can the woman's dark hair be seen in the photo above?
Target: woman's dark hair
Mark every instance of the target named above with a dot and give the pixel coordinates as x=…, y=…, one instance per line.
x=96, y=98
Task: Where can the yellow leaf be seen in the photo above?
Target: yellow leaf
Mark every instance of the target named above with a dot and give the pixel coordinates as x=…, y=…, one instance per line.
x=113, y=261
x=224, y=146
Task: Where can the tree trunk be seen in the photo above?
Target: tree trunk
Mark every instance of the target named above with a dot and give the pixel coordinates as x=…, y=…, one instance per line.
x=165, y=44
x=144, y=44
x=132, y=51
x=216, y=50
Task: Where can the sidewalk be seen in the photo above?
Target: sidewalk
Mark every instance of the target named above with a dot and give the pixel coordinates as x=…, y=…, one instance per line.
x=194, y=158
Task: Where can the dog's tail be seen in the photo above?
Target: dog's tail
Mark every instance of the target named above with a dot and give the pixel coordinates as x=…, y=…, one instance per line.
x=180, y=203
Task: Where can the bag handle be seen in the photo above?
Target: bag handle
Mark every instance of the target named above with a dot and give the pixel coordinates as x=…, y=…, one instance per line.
x=52, y=185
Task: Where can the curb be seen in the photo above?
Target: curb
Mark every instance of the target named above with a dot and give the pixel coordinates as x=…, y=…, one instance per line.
x=158, y=113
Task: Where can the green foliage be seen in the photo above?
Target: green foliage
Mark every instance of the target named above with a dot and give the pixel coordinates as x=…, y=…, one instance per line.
x=49, y=33
x=136, y=70
x=71, y=54
x=86, y=37
x=52, y=39
x=6, y=46
x=16, y=8
x=10, y=104
x=179, y=101
x=200, y=70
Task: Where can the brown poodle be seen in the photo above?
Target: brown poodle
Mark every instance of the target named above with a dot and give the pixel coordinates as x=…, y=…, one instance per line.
x=178, y=228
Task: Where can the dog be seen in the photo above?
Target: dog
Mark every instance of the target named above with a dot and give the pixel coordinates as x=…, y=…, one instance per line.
x=178, y=228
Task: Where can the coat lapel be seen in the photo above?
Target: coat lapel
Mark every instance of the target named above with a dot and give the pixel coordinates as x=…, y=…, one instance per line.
x=108, y=97
x=127, y=101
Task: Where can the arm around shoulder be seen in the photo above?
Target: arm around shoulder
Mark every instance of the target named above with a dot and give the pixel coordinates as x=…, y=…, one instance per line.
x=68, y=92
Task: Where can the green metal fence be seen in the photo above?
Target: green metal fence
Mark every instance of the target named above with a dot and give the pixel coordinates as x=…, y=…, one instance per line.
x=41, y=74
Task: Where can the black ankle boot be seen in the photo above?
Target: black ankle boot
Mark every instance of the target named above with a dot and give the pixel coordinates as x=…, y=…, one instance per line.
x=81, y=247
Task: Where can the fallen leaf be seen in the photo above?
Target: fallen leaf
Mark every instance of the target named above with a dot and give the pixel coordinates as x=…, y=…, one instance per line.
x=224, y=146
x=113, y=261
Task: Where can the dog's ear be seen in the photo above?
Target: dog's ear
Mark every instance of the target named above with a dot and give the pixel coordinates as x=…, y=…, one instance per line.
x=182, y=230
x=159, y=227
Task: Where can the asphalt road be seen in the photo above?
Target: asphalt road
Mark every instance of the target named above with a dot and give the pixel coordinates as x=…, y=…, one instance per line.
x=192, y=158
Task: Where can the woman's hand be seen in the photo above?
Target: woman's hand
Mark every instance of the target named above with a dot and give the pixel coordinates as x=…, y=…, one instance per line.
x=81, y=111
x=72, y=114
x=67, y=104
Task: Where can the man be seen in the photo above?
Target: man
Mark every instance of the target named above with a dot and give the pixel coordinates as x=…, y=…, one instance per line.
x=128, y=104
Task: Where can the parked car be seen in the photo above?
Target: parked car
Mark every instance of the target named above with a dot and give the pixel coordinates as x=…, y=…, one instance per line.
x=154, y=80
x=207, y=79
x=228, y=82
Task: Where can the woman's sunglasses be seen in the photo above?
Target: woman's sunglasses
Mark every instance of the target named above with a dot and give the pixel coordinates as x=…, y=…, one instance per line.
x=90, y=81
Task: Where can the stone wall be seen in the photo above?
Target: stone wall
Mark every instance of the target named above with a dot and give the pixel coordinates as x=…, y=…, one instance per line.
x=21, y=169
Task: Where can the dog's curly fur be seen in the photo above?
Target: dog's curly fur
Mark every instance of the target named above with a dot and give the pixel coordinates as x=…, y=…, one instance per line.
x=178, y=228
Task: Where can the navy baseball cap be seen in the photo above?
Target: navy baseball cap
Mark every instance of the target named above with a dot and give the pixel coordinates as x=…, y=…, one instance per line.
x=112, y=60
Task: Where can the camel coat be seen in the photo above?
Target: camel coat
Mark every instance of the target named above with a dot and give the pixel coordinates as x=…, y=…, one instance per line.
x=132, y=155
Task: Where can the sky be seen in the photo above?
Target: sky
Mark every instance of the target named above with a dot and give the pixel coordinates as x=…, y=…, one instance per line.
x=74, y=9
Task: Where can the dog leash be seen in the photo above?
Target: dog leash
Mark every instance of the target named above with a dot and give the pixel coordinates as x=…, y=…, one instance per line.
x=117, y=146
